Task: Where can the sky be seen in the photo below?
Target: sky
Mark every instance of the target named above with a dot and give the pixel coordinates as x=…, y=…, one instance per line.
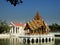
x=48, y=9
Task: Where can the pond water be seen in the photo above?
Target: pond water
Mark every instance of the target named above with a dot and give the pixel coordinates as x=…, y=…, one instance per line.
x=18, y=41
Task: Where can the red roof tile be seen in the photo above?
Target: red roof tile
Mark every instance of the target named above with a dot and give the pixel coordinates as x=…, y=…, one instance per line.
x=17, y=24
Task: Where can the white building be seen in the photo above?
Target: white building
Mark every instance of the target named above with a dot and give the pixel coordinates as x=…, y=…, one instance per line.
x=17, y=28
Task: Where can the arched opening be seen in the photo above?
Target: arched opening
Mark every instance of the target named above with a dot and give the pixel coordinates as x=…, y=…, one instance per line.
x=49, y=39
x=52, y=39
x=39, y=40
x=46, y=39
x=24, y=40
x=28, y=41
x=36, y=40
x=43, y=40
x=32, y=40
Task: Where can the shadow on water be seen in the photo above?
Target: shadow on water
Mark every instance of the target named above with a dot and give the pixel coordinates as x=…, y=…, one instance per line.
x=19, y=41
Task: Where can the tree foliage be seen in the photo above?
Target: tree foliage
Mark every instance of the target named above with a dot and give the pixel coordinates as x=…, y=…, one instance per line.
x=4, y=27
x=14, y=2
x=55, y=27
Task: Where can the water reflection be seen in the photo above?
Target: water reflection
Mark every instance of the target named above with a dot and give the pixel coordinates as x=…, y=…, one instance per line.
x=18, y=41
x=4, y=41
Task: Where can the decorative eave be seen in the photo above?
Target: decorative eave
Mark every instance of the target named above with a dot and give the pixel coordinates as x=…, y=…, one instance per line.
x=37, y=22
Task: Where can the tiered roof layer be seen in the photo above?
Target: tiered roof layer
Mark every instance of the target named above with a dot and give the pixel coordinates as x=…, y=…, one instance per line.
x=36, y=23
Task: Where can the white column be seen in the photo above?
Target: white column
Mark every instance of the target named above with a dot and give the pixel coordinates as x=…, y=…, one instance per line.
x=12, y=30
x=15, y=30
x=26, y=40
x=41, y=40
x=48, y=40
x=34, y=40
x=51, y=39
x=30, y=40
x=38, y=40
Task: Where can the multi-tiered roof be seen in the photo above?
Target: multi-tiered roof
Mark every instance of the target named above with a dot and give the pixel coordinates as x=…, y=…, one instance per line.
x=37, y=25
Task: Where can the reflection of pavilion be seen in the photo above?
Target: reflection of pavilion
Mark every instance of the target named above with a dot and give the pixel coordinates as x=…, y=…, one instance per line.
x=36, y=26
x=17, y=41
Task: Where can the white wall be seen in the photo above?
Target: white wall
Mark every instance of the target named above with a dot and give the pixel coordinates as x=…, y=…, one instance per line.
x=19, y=31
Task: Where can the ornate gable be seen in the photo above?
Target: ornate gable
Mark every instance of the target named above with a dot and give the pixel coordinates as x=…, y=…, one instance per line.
x=37, y=24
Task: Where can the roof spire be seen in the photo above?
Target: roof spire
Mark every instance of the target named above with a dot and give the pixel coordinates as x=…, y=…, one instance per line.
x=37, y=17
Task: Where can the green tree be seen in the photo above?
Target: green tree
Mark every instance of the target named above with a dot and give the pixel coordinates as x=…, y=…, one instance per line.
x=55, y=27
x=4, y=27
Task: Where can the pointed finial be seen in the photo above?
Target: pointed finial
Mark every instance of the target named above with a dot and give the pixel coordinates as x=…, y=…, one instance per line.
x=37, y=17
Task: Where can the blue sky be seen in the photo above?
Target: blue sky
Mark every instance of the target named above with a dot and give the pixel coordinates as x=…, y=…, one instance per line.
x=49, y=10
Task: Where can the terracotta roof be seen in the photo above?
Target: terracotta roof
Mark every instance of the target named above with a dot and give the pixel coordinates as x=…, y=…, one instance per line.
x=17, y=24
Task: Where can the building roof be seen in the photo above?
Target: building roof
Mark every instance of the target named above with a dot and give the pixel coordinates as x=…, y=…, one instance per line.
x=17, y=24
x=38, y=17
x=36, y=23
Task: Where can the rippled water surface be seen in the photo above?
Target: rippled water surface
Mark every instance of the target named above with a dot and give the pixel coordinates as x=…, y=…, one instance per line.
x=18, y=41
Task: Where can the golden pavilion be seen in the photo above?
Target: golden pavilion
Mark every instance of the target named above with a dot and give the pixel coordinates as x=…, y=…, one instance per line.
x=36, y=26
